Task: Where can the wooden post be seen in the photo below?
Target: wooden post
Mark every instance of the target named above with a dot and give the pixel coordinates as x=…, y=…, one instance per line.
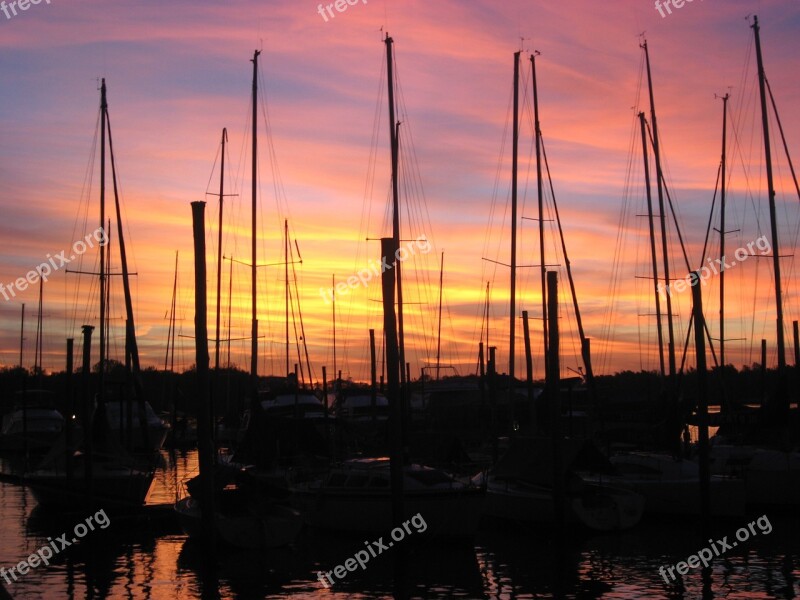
x=702, y=402
x=86, y=407
x=529, y=368
x=493, y=400
x=763, y=370
x=204, y=425
x=393, y=367
x=374, y=375
x=553, y=397
x=70, y=406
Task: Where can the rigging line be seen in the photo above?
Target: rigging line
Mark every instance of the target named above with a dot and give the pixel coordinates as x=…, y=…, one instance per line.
x=783, y=137
x=493, y=209
x=711, y=215
x=213, y=167
x=607, y=334
x=300, y=313
x=84, y=200
x=671, y=206
x=568, y=268
x=366, y=205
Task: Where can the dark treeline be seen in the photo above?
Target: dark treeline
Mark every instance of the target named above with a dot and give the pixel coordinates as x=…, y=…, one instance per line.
x=230, y=387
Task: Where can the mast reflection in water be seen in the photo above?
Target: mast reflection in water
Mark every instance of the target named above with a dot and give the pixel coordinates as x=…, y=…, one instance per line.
x=152, y=559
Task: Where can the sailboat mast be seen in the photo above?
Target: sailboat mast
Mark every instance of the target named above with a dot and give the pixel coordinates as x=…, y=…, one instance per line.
x=662, y=219
x=219, y=247
x=21, y=334
x=723, y=167
x=103, y=114
x=512, y=311
x=37, y=360
x=773, y=222
x=333, y=310
x=653, y=253
x=394, y=129
x=253, y=265
x=540, y=192
x=439, y=335
x=286, y=289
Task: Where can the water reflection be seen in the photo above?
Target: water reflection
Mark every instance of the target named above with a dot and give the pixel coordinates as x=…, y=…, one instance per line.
x=148, y=559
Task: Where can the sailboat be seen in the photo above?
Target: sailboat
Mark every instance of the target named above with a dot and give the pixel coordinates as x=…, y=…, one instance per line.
x=248, y=511
x=91, y=466
x=371, y=493
x=767, y=456
x=528, y=484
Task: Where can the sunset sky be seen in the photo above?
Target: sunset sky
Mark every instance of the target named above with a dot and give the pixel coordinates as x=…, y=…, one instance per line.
x=178, y=72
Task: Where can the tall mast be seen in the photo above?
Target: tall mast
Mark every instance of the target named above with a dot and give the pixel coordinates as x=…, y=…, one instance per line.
x=539, y=189
x=653, y=253
x=21, y=334
x=439, y=336
x=37, y=360
x=253, y=265
x=723, y=166
x=394, y=128
x=513, y=287
x=219, y=247
x=286, y=292
x=333, y=310
x=773, y=222
x=662, y=219
x=103, y=114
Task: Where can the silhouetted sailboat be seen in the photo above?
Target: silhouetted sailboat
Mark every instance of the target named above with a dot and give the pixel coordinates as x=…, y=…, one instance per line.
x=247, y=510
x=766, y=456
x=96, y=469
x=537, y=481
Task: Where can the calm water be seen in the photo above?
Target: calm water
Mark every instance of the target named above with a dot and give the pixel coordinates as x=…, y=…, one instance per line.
x=153, y=560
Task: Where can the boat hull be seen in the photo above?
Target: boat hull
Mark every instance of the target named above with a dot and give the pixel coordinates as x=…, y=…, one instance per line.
x=119, y=487
x=598, y=508
x=272, y=527
x=446, y=512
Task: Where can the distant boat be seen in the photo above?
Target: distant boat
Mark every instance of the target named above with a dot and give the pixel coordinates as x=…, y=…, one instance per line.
x=157, y=428
x=672, y=487
x=249, y=515
x=521, y=487
x=357, y=408
x=770, y=476
x=35, y=426
x=305, y=405
x=356, y=497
